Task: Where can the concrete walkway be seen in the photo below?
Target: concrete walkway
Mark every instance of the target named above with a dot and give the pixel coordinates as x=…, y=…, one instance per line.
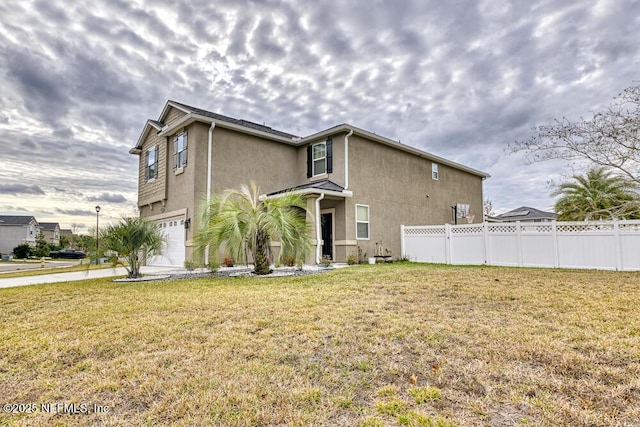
x=78, y=275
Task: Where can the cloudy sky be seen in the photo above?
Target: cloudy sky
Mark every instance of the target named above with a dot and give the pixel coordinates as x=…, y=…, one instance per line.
x=461, y=79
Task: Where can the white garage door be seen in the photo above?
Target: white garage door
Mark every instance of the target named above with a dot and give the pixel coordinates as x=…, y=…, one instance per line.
x=173, y=251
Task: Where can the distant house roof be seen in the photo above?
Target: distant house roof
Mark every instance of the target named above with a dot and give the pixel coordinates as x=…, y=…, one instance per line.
x=526, y=213
x=49, y=226
x=16, y=219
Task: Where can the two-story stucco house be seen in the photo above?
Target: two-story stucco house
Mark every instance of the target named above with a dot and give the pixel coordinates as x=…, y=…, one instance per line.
x=51, y=232
x=360, y=187
x=16, y=230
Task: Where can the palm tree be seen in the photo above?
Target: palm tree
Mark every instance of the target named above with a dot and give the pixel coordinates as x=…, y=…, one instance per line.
x=598, y=194
x=132, y=238
x=239, y=220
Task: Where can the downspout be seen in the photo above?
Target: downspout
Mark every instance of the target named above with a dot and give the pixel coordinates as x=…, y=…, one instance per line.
x=318, y=230
x=346, y=159
x=209, y=155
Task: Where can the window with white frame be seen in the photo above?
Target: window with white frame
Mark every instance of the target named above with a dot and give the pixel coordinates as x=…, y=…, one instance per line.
x=434, y=171
x=319, y=158
x=151, y=166
x=362, y=222
x=180, y=151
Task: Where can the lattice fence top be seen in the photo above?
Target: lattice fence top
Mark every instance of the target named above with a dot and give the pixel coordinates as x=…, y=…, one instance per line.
x=525, y=228
x=503, y=228
x=536, y=228
x=629, y=228
x=585, y=227
x=477, y=229
x=425, y=231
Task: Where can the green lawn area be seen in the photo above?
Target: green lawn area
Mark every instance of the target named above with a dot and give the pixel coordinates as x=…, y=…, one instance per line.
x=396, y=344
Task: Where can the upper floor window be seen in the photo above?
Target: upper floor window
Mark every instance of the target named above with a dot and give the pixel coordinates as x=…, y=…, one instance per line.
x=180, y=151
x=320, y=158
x=434, y=171
x=151, y=164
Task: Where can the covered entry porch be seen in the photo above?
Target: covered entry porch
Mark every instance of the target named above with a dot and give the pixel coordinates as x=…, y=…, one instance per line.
x=326, y=216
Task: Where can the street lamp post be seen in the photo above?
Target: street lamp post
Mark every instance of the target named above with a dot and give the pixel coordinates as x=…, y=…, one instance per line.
x=97, y=232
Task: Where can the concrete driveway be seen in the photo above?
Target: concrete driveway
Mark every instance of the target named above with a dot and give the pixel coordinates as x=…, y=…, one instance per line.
x=78, y=275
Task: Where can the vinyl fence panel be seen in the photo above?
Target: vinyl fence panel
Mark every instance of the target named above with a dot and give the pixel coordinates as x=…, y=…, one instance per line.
x=598, y=245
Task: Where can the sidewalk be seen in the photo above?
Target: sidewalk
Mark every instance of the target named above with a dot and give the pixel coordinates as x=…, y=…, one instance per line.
x=78, y=275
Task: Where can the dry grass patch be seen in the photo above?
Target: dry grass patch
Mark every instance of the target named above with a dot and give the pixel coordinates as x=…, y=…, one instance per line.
x=396, y=344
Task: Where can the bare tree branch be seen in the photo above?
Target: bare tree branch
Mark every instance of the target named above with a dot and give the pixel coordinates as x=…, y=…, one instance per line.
x=610, y=138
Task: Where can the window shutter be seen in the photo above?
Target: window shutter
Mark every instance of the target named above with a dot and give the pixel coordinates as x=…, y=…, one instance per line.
x=175, y=153
x=146, y=166
x=329, y=145
x=309, y=162
x=155, y=161
x=184, y=159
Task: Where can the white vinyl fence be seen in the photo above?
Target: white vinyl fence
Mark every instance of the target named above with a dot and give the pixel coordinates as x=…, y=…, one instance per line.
x=598, y=245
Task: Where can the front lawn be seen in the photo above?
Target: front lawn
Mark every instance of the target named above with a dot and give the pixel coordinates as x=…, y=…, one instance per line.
x=395, y=344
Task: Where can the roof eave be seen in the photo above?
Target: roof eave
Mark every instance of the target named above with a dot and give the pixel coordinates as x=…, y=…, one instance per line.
x=391, y=143
x=192, y=117
x=308, y=191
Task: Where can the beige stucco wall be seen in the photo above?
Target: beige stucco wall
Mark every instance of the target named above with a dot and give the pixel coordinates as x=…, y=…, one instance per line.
x=399, y=190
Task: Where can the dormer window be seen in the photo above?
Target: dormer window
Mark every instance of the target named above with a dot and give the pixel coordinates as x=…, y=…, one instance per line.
x=320, y=158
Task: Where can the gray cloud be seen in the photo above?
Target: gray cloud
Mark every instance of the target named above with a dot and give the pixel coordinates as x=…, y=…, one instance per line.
x=76, y=212
x=461, y=80
x=18, y=189
x=107, y=197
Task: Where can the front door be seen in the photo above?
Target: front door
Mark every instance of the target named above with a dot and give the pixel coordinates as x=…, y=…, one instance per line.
x=327, y=234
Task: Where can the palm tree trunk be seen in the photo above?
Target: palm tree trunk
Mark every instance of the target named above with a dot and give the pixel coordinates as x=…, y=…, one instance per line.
x=260, y=257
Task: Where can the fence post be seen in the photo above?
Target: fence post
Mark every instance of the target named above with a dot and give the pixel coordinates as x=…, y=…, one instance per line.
x=554, y=236
x=487, y=247
x=447, y=243
x=519, y=243
x=617, y=241
x=402, y=237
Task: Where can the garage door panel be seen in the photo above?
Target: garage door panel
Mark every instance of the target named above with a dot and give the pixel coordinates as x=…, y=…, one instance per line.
x=173, y=253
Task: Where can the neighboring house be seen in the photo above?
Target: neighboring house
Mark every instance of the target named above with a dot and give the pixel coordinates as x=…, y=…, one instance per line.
x=67, y=232
x=360, y=187
x=524, y=214
x=51, y=232
x=17, y=229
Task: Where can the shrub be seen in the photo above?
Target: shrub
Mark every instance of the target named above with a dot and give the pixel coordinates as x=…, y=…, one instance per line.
x=289, y=260
x=326, y=261
x=23, y=250
x=352, y=259
x=189, y=265
x=228, y=262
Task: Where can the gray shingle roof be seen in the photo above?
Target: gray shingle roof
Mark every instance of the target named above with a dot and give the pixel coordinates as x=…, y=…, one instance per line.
x=238, y=122
x=526, y=213
x=49, y=225
x=15, y=219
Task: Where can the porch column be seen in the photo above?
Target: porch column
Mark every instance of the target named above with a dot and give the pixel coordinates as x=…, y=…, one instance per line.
x=311, y=222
